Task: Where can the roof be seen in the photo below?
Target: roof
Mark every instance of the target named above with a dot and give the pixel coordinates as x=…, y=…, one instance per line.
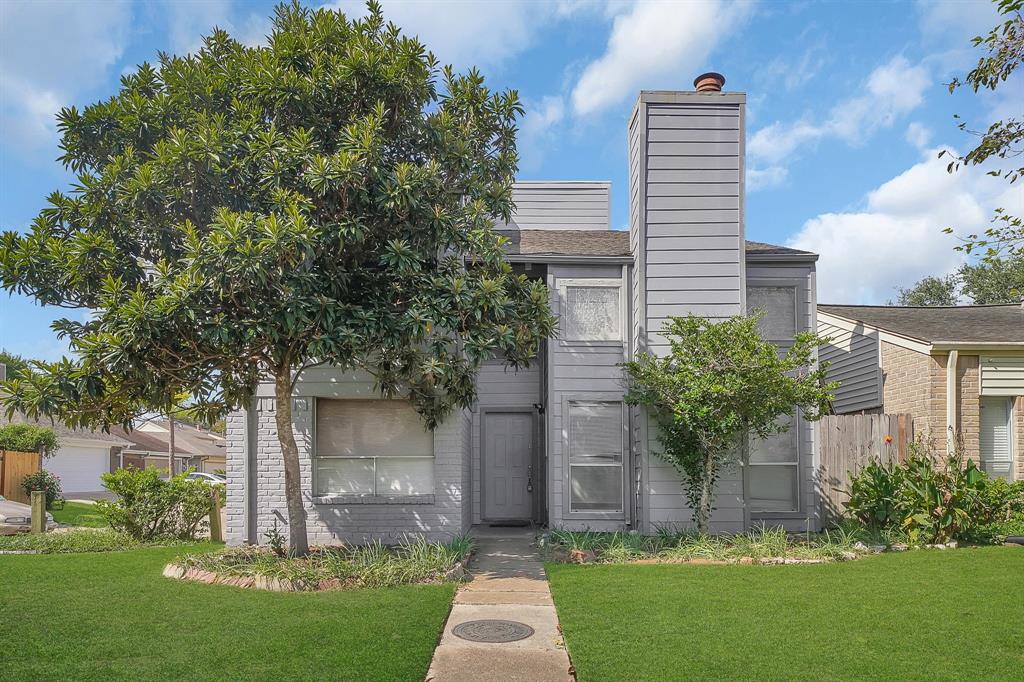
x=959, y=325
x=604, y=243
x=188, y=440
x=65, y=432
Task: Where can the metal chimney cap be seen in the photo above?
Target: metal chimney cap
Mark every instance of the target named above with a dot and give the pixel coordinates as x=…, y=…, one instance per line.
x=709, y=82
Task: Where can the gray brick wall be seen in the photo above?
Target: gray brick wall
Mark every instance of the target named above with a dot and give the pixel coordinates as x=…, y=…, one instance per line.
x=439, y=519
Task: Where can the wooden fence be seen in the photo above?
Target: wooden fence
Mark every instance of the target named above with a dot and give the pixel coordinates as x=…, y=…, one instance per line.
x=14, y=466
x=848, y=441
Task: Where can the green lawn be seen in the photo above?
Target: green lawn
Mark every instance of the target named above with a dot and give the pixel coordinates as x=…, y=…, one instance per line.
x=916, y=615
x=113, y=616
x=78, y=514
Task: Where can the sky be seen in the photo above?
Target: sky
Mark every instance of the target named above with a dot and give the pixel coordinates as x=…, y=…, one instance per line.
x=847, y=109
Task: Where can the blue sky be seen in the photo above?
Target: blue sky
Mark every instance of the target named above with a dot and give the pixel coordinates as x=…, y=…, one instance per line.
x=847, y=109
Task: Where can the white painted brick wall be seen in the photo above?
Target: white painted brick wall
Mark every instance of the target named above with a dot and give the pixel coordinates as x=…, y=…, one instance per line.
x=449, y=515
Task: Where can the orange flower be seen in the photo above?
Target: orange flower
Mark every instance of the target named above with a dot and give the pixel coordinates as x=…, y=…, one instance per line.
x=888, y=439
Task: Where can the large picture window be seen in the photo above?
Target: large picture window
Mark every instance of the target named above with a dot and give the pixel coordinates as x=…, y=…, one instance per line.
x=779, y=320
x=595, y=456
x=372, y=447
x=591, y=310
x=774, y=466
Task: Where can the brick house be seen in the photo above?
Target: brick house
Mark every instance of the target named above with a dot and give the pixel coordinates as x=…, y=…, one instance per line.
x=957, y=370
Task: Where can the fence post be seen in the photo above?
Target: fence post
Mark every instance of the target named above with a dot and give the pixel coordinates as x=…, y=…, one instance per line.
x=38, y=511
x=216, y=529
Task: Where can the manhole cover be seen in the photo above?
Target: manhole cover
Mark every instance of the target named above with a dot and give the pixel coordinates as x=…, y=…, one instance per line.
x=492, y=631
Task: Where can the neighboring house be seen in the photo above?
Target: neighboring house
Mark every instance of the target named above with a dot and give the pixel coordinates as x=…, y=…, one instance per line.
x=555, y=444
x=956, y=370
x=194, y=448
x=82, y=458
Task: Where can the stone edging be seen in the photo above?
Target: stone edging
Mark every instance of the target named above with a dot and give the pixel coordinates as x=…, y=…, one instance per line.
x=261, y=582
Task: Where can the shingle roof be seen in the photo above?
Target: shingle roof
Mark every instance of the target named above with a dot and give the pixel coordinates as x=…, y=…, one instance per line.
x=952, y=325
x=608, y=243
x=188, y=440
x=64, y=431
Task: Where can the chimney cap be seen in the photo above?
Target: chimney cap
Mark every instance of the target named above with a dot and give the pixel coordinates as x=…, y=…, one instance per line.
x=709, y=82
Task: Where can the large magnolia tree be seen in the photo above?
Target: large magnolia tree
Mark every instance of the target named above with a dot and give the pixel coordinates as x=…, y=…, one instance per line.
x=243, y=213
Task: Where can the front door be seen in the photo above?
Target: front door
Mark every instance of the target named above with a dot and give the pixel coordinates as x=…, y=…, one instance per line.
x=508, y=466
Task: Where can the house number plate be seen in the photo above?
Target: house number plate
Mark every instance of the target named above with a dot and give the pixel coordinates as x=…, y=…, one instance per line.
x=496, y=631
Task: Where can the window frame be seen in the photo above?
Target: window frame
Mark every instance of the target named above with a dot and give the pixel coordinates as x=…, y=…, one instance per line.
x=798, y=510
x=624, y=465
x=352, y=497
x=594, y=282
x=799, y=301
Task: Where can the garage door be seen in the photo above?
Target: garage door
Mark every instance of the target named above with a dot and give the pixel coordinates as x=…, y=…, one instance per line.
x=79, y=468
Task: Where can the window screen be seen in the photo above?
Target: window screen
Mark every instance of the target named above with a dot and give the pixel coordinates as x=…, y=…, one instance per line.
x=595, y=456
x=779, y=320
x=591, y=313
x=372, y=447
x=774, y=466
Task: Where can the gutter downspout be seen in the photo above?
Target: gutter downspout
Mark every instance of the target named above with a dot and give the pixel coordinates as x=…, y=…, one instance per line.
x=951, y=411
x=627, y=351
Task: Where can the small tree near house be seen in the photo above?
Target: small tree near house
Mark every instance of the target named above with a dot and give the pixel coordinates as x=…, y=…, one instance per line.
x=243, y=213
x=720, y=382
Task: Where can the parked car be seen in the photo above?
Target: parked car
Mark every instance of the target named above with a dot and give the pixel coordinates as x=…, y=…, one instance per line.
x=209, y=479
x=16, y=517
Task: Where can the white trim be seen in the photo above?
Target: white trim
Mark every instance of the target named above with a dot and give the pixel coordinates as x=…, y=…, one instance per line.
x=850, y=325
x=951, y=412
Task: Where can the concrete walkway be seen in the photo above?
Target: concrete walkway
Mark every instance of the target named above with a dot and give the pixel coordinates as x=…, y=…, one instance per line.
x=508, y=584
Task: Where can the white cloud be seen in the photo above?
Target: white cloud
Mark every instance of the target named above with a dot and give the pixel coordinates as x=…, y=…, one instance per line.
x=189, y=22
x=651, y=45
x=536, y=132
x=918, y=134
x=763, y=178
x=890, y=91
x=50, y=52
x=897, y=237
x=465, y=33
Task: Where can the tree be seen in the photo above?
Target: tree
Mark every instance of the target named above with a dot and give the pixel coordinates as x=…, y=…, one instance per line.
x=987, y=282
x=13, y=362
x=930, y=291
x=721, y=383
x=243, y=213
x=996, y=280
x=1003, y=139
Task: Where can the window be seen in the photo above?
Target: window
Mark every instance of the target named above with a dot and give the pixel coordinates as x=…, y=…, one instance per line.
x=595, y=456
x=779, y=320
x=774, y=484
x=592, y=310
x=372, y=447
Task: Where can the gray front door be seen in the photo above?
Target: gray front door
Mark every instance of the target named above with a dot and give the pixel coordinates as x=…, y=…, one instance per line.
x=508, y=457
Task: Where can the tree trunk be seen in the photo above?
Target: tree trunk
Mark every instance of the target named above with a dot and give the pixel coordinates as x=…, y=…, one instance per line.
x=707, y=496
x=298, y=543
x=170, y=445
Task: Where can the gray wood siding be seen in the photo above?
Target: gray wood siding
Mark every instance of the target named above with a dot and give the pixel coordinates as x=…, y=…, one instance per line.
x=578, y=371
x=499, y=386
x=854, y=360
x=560, y=205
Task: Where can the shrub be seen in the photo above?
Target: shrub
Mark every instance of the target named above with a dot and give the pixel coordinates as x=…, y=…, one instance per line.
x=28, y=438
x=46, y=481
x=74, y=542
x=148, y=506
x=932, y=499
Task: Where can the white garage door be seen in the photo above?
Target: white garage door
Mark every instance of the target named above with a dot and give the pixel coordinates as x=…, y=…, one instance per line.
x=79, y=468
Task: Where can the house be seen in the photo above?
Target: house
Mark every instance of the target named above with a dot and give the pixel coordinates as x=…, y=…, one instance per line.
x=195, y=448
x=959, y=371
x=83, y=456
x=554, y=443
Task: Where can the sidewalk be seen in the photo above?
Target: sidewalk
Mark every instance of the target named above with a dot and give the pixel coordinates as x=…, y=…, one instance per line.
x=508, y=584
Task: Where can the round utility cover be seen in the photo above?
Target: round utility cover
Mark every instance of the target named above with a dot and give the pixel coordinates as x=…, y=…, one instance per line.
x=496, y=631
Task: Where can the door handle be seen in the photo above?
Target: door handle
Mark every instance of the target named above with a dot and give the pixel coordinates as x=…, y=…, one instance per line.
x=529, y=478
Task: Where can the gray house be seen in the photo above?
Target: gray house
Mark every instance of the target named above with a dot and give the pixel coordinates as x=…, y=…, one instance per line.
x=554, y=444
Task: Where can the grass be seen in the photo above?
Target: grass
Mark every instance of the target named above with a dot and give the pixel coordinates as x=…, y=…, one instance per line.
x=78, y=540
x=677, y=546
x=78, y=514
x=114, y=617
x=358, y=566
x=923, y=614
